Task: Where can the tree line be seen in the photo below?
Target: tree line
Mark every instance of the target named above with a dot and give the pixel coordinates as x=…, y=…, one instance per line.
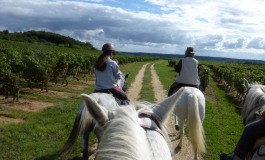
x=45, y=37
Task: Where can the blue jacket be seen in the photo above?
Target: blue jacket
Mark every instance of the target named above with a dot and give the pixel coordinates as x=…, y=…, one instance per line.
x=108, y=78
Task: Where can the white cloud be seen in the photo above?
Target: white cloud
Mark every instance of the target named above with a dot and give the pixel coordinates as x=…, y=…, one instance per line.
x=176, y=24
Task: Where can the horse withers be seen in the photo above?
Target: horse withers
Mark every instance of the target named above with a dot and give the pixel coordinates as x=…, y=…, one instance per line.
x=84, y=124
x=254, y=101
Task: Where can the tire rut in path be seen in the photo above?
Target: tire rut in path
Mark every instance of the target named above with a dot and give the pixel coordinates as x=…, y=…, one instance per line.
x=133, y=92
x=186, y=153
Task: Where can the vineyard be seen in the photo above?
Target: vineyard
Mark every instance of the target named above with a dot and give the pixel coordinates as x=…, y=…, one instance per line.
x=231, y=75
x=36, y=64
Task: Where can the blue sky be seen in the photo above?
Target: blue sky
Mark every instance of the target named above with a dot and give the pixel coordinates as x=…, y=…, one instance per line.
x=217, y=28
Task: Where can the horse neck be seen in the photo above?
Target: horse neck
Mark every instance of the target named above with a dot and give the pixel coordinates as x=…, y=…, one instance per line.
x=124, y=137
x=120, y=83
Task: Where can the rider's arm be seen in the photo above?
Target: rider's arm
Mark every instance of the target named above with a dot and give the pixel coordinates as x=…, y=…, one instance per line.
x=116, y=71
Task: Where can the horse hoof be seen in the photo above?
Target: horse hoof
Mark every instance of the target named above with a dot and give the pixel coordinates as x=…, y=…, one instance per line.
x=177, y=127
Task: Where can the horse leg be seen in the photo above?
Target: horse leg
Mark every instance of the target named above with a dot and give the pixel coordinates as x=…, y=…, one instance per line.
x=196, y=155
x=176, y=123
x=85, y=142
x=181, y=133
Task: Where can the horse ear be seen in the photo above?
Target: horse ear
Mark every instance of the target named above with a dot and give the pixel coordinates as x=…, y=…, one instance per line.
x=98, y=112
x=246, y=84
x=165, y=107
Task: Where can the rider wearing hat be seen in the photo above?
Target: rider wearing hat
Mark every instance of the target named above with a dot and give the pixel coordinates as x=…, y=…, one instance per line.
x=188, y=69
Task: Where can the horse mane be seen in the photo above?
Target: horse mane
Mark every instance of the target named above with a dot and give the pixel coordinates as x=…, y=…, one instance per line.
x=122, y=131
x=254, y=100
x=123, y=137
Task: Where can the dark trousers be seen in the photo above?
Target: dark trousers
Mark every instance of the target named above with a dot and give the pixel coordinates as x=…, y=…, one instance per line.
x=176, y=86
x=251, y=132
x=118, y=93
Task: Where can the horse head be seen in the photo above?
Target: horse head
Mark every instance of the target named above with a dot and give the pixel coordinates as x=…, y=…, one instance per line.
x=122, y=130
x=254, y=100
x=122, y=83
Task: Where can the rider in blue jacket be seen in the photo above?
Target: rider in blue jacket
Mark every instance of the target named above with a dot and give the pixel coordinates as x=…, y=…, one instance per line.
x=108, y=73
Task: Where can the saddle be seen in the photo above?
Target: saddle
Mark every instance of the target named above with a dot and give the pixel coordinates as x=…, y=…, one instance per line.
x=119, y=101
x=148, y=121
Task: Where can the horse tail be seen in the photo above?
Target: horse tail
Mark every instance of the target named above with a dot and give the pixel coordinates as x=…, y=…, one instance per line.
x=80, y=125
x=196, y=131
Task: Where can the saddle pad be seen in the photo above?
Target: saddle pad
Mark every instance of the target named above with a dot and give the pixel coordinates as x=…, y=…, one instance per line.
x=261, y=150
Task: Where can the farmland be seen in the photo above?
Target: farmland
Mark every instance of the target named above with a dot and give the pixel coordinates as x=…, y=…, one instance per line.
x=39, y=123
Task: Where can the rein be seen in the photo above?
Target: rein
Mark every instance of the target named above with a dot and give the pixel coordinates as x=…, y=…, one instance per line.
x=150, y=116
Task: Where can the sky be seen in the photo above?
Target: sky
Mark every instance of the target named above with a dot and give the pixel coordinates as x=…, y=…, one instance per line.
x=215, y=28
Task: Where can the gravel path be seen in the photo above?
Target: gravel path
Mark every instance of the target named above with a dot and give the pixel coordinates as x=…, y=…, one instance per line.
x=186, y=152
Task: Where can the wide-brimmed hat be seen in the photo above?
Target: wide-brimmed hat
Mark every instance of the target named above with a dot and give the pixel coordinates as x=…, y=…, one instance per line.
x=190, y=51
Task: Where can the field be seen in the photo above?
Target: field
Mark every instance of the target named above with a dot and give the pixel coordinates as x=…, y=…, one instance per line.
x=40, y=132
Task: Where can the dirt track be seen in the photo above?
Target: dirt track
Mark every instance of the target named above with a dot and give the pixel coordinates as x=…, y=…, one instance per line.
x=186, y=152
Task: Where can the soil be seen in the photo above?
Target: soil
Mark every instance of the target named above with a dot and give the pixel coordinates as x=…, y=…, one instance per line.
x=31, y=105
x=22, y=104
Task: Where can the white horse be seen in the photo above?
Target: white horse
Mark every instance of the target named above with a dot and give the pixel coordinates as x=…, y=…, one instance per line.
x=190, y=108
x=133, y=132
x=254, y=100
x=84, y=123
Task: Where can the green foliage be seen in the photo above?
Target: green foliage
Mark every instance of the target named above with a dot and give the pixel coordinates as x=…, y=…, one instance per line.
x=45, y=37
x=204, y=76
x=39, y=63
x=172, y=63
x=147, y=93
x=232, y=75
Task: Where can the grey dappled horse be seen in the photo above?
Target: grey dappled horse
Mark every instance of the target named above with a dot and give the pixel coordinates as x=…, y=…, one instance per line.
x=254, y=101
x=84, y=123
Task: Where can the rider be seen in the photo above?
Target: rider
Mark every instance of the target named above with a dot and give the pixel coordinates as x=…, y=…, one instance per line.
x=251, y=133
x=107, y=73
x=189, y=69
